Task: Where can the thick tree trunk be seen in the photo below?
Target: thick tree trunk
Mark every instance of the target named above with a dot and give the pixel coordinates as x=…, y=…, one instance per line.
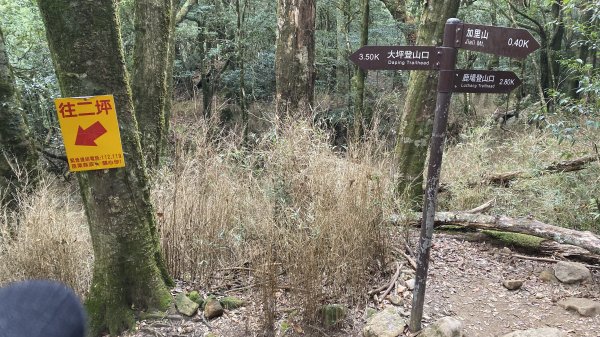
x=18, y=158
x=417, y=117
x=128, y=270
x=358, y=82
x=586, y=240
x=295, y=57
x=149, y=76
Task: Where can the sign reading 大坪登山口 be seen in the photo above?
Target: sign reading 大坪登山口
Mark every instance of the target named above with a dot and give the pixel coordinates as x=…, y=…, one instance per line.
x=396, y=58
x=90, y=132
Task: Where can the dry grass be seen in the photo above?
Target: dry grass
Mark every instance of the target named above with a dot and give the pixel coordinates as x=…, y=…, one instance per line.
x=564, y=199
x=303, y=217
x=48, y=239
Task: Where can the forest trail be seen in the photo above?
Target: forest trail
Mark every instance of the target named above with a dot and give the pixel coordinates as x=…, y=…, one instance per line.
x=465, y=281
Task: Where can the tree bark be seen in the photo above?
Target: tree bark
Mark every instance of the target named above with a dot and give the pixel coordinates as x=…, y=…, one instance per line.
x=149, y=75
x=586, y=240
x=129, y=272
x=18, y=158
x=417, y=117
x=295, y=57
x=358, y=82
x=343, y=71
x=397, y=9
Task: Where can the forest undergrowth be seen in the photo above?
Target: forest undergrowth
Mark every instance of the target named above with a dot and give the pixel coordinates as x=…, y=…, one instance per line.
x=294, y=212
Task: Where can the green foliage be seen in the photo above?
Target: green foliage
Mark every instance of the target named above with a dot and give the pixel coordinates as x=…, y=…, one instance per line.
x=30, y=58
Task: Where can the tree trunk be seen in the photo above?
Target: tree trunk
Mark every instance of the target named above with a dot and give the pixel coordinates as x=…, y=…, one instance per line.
x=358, y=82
x=398, y=10
x=556, y=42
x=295, y=57
x=417, y=117
x=149, y=75
x=343, y=70
x=586, y=240
x=18, y=158
x=129, y=272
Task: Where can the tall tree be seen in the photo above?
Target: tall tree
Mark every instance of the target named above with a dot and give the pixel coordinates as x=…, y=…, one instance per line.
x=129, y=272
x=358, y=82
x=17, y=152
x=150, y=73
x=343, y=70
x=295, y=56
x=417, y=117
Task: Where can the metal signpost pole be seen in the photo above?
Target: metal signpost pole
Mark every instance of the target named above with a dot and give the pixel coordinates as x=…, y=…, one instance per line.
x=447, y=65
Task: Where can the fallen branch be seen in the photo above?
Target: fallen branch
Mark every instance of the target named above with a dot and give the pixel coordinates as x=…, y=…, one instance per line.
x=504, y=179
x=585, y=239
x=393, y=280
x=482, y=208
x=542, y=259
x=408, y=258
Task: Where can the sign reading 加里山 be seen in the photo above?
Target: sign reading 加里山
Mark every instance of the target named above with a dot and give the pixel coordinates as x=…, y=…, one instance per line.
x=90, y=132
x=503, y=41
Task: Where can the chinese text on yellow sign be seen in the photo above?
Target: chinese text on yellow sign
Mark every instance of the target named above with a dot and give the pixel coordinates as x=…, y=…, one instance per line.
x=91, y=132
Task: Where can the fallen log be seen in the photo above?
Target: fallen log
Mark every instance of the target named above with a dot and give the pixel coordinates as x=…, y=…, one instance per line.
x=553, y=248
x=584, y=239
x=504, y=179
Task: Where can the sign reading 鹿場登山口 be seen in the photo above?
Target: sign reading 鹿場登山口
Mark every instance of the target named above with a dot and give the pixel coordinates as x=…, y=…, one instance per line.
x=90, y=132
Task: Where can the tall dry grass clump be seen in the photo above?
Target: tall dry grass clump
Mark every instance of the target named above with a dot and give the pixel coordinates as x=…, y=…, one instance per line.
x=47, y=238
x=302, y=217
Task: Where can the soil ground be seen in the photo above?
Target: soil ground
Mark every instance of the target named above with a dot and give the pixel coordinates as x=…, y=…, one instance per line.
x=465, y=281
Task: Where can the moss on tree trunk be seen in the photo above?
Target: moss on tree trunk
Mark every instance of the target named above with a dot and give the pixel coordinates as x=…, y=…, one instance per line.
x=417, y=117
x=129, y=272
x=17, y=152
x=150, y=73
x=295, y=56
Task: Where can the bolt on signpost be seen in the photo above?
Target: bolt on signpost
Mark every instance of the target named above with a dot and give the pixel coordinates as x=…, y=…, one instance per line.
x=501, y=41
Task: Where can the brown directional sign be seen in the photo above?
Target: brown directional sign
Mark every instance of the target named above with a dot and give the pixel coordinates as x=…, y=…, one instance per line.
x=396, y=58
x=503, y=41
x=484, y=81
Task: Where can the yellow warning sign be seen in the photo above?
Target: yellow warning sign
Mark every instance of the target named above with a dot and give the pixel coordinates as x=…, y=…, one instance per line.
x=91, y=132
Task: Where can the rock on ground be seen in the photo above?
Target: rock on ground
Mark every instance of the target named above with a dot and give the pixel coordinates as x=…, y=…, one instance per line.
x=212, y=309
x=444, y=327
x=512, y=284
x=585, y=307
x=185, y=306
x=543, y=332
x=387, y=323
x=571, y=272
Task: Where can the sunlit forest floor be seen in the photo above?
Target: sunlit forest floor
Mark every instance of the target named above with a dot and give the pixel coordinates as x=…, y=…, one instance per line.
x=291, y=219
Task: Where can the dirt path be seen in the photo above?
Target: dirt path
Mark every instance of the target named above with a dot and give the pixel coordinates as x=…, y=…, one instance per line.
x=465, y=282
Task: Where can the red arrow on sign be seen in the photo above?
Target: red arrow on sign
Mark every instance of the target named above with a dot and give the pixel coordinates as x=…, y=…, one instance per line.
x=88, y=136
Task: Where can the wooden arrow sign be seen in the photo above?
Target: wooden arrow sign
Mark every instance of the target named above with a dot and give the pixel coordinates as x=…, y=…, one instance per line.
x=484, y=81
x=503, y=41
x=396, y=58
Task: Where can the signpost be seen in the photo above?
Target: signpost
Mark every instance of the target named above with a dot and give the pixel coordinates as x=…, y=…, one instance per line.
x=90, y=132
x=501, y=41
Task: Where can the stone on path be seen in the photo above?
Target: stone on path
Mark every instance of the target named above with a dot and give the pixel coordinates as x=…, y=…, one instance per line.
x=185, y=306
x=212, y=308
x=543, y=332
x=571, y=272
x=585, y=307
x=547, y=275
x=444, y=327
x=512, y=284
x=332, y=314
x=410, y=284
x=386, y=323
